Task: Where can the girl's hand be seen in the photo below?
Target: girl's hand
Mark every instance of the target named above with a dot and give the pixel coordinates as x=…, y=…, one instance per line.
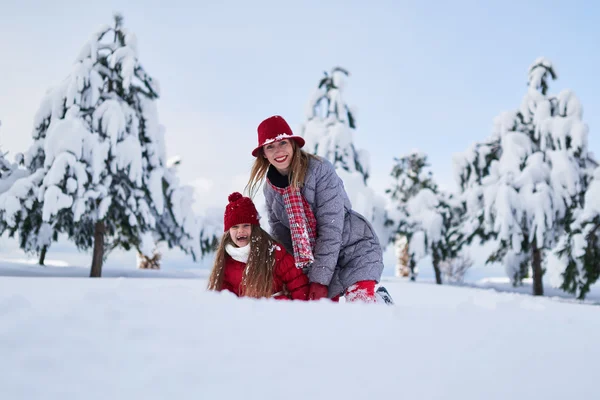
x=317, y=291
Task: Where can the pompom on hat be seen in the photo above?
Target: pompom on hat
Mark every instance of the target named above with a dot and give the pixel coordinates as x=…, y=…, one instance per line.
x=274, y=129
x=240, y=210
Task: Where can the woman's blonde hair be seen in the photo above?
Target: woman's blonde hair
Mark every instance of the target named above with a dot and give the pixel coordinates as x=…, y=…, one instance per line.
x=298, y=169
x=257, y=280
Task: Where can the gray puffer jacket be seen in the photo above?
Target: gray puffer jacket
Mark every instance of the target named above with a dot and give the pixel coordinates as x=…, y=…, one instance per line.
x=347, y=249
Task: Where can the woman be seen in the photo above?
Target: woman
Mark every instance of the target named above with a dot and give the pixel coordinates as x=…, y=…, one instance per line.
x=310, y=214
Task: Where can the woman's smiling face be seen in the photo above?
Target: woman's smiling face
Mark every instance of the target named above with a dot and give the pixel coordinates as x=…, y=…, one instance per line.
x=280, y=155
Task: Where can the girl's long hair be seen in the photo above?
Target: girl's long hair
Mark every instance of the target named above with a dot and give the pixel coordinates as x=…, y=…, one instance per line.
x=215, y=281
x=298, y=169
x=257, y=280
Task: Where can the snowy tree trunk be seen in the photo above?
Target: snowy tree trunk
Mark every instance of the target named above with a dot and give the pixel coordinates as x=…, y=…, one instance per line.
x=436, y=267
x=538, y=288
x=413, y=269
x=98, y=250
x=43, y=255
x=405, y=260
x=402, y=256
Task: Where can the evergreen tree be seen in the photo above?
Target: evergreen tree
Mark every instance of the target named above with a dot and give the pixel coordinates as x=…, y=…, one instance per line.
x=17, y=216
x=410, y=174
x=523, y=183
x=98, y=168
x=330, y=125
x=578, y=261
x=178, y=225
x=329, y=132
x=427, y=217
x=9, y=171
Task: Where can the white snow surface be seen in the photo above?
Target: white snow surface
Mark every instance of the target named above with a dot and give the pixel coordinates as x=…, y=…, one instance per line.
x=134, y=338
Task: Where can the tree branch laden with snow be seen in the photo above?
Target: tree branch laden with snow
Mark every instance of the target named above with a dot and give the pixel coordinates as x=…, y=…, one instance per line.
x=428, y=218
x=329, y=133
x=523, y=183
x=99, y=155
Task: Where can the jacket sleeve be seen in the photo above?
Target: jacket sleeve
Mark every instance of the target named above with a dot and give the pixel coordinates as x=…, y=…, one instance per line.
x=279, y=231
x=294, y=279
x=329, y=213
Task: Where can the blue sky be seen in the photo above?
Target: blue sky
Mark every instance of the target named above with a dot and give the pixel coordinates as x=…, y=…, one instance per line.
x=425, y=75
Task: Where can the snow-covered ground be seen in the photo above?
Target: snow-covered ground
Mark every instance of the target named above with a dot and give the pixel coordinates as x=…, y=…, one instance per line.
x=136, y=338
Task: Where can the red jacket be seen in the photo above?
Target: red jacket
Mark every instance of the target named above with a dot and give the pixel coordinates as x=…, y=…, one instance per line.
x=285, y=275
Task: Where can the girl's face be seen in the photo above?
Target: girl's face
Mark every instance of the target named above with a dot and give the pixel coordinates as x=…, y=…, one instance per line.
x=240, y=234
x=280, y=155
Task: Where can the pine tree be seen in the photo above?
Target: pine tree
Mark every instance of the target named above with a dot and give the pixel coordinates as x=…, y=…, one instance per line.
x=409, y=176
x=579, y=252
x=17, y=216
x=5, y=165
x=178, y=225
x=521, y=185
x=98, y=168
x=7, y=170
x=427, y=217
x=331, y=125
x=329, y=132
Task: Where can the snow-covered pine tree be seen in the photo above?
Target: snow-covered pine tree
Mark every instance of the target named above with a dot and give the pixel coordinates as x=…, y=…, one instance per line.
x=6, y=172
x=7, y=169
x=427, y=217
x=329, y=132
x=209, y=234
x=178, y=225
x=22, y=214
x=5, y=165
x=17, y=216
x=577, y=263
x=98, y=158
x=522, y=183
x=409, y=176
x=330, y=125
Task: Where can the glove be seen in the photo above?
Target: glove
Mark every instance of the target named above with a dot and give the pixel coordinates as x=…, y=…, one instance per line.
x=317, y=291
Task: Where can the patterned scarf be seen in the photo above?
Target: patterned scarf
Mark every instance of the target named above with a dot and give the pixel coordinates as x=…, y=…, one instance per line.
x=303, y=224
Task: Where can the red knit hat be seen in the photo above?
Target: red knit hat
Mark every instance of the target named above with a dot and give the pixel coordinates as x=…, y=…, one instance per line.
x=274, y=129
x=240, y=210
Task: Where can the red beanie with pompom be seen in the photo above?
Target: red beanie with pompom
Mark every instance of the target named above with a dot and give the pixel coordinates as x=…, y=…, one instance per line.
x=240, y=210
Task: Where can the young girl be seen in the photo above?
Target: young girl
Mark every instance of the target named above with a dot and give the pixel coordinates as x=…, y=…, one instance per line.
x=249, y=262
x=311, y=215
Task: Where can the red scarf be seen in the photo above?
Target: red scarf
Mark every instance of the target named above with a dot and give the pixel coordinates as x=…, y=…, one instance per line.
x=303, y=224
